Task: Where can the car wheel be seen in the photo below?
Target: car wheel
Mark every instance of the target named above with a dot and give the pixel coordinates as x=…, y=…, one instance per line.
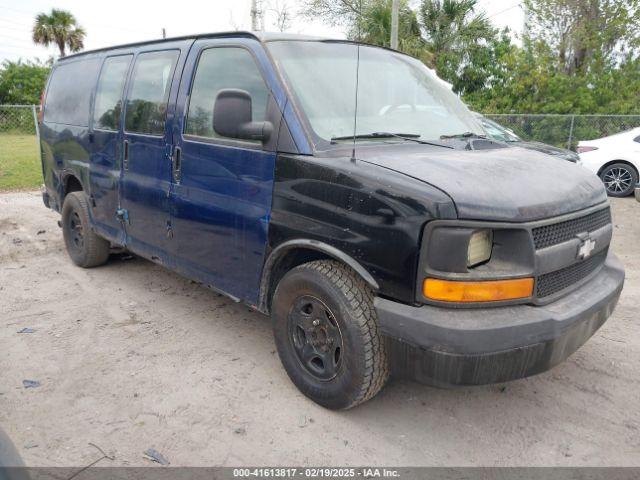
x=327, y=335
x=85, y=248
x=619, y=179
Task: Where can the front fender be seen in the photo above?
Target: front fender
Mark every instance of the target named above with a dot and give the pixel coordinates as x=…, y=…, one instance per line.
x=287, y=247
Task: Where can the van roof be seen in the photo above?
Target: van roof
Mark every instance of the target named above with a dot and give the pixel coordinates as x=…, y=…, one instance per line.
x=260, y=36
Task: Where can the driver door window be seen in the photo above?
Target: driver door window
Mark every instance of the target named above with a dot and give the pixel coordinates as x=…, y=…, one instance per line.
x=220, y=68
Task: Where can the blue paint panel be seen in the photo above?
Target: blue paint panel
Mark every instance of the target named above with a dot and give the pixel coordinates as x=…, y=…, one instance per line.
x=221, y=207
x=220, y=215
x=145, y=192
x=146, y=180
x=106, y=153
x=66, y=151
x=213, y=225
x=64, y=134
x=104, y=181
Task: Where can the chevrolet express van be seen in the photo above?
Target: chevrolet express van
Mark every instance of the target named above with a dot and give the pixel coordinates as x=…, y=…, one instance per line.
x=343, y=190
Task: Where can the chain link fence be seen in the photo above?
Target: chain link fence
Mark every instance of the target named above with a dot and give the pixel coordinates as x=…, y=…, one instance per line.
x=559, y=130
x=19, y=150
x=19, y=119
x=565, y=130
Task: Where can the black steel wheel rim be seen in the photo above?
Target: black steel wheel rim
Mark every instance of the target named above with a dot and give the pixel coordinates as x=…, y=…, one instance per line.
x=617, y=180
x=76, y=231
x=316, y=338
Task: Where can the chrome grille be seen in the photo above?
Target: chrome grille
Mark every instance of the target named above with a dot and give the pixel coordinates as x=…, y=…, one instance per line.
x=554, y=282
x=556, y=233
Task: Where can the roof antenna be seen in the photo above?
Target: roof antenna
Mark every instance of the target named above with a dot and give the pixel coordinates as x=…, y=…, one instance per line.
x=355, y=113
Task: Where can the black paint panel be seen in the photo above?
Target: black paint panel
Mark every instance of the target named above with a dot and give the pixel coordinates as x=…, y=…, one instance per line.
x=503, y=184
x=370, y=213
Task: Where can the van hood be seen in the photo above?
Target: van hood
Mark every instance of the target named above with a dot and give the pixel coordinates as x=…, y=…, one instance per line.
x=504, y=184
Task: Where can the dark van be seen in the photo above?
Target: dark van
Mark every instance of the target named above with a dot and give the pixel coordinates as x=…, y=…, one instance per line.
x=343, y=190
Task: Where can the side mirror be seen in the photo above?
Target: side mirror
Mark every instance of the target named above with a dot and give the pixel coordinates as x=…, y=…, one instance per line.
x=232, y=117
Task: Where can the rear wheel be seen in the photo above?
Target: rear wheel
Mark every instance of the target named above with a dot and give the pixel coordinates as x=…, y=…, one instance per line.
x=619, y=179
x=85, y=248
x=327, y=336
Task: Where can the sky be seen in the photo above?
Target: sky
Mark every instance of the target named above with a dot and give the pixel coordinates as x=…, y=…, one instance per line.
x=114, y=22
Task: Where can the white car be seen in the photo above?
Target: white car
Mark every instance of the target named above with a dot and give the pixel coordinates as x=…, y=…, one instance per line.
x=615, y=159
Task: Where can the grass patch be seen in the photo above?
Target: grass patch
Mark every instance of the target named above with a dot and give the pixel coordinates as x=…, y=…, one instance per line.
x=20, y=166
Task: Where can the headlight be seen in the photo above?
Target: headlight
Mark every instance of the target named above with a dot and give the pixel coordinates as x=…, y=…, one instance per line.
x=480, y=244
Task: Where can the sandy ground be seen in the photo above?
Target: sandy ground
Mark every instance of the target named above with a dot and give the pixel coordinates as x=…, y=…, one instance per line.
x=130, y=356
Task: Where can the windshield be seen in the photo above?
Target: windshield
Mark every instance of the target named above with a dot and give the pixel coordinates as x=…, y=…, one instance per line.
x=397, y=94
x=498, y=132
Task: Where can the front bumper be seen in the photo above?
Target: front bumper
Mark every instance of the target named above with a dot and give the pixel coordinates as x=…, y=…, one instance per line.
x=637, y=192
x=476, y=346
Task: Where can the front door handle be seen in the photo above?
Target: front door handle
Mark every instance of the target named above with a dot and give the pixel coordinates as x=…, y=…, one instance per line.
x=125, y=155
x=177, y=164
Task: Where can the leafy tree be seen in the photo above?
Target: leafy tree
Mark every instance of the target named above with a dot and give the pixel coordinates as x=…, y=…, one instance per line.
x=61, y=28
x=457, y=36
x=333, y=12
x=585, y=34
x=22, y=82
x=369, y=21
x=579, y=56
x=374, y=27
x=532, y=83
x=488, y=67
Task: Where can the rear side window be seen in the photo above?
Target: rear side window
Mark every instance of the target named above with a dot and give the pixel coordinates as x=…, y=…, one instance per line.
x=220, y=68
x=149, y=93
x=108, y=103
x=69, y=93
x=637, y=139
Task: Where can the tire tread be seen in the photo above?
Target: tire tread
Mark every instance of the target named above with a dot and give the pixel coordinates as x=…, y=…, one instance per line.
x=360, y=298
x=96, y=248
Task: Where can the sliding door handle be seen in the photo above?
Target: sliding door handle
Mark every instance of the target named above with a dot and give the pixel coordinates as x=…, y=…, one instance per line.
x=177, y=164
x=125, y=155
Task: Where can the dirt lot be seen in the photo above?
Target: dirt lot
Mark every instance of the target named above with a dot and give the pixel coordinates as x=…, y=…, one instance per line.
x=130, y=356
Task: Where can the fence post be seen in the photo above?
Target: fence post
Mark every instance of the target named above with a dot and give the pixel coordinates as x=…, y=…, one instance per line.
x=573, y=119
x=35, y=123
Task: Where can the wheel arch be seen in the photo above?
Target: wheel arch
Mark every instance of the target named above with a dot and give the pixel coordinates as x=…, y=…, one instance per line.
x=292, y=253
x=70, y=183
x=613, y=162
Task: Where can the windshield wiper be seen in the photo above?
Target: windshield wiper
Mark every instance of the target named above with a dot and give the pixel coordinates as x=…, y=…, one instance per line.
x=412, y=137
x=462, y=135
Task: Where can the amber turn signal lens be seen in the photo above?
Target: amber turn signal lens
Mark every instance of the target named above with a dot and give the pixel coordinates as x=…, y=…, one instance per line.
x=486, y=291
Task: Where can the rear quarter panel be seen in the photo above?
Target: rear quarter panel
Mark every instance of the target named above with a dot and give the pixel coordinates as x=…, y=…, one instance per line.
x=64, y=145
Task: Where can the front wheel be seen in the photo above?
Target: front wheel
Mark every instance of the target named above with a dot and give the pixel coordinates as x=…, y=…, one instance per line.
x=85, y=248
x=327, y=336
x=619, y=179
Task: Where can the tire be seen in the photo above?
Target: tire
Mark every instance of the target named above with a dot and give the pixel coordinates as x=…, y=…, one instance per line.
x=327, y=336
x=85, y=248
x=619, y=179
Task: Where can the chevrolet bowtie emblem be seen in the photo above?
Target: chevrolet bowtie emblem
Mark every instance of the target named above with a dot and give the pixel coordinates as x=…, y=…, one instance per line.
x=586, y=247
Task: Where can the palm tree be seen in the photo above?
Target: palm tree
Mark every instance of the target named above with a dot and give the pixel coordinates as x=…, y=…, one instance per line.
x=453, y=26
x=455, y=34
x=59, y=27
x=374, y=26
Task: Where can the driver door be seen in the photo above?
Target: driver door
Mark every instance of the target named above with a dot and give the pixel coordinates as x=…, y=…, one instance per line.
x=222, y=187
